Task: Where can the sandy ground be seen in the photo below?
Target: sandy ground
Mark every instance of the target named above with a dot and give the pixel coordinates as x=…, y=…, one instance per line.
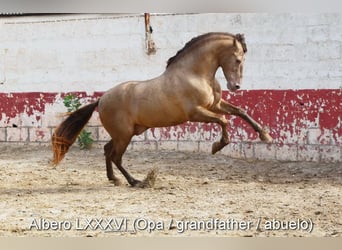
x=194, y=194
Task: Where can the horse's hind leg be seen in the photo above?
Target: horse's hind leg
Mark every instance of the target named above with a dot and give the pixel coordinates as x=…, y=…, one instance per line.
x=119, y=149
x=108, y=152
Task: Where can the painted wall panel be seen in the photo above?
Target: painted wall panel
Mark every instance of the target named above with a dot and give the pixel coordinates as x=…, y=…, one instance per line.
x=292, y=81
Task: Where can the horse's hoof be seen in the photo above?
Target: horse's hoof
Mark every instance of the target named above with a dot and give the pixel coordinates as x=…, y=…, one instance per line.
x=217, y=146
x=266, y=137
x=117, y=182
x=148, y=182
x=135, y=183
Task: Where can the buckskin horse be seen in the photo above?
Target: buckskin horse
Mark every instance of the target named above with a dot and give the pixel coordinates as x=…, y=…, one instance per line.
x=186, y=91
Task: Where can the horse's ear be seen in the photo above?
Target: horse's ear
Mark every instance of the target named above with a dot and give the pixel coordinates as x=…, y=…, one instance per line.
x=241, y=39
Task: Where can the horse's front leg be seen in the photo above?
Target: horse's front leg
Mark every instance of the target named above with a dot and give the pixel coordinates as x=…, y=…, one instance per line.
x=228, y=108
x=203, y=115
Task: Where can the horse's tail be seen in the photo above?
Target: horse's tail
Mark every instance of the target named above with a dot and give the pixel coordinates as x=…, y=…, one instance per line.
x=66, y=133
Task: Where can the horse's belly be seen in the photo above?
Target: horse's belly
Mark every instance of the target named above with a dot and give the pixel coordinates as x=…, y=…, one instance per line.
x=154, y=112
x=160, y=118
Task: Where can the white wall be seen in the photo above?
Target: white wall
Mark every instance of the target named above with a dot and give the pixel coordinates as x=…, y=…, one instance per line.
x=93, y=52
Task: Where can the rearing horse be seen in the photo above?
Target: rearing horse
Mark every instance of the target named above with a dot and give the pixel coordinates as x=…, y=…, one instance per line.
x=186, y=91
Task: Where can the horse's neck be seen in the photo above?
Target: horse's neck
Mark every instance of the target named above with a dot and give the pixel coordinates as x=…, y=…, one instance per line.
x=202, y=62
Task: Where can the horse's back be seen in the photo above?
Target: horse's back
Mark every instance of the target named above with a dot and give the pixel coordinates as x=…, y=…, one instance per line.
x=151, y=103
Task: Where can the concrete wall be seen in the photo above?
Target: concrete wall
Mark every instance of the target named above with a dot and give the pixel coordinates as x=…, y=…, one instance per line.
x=292, y=79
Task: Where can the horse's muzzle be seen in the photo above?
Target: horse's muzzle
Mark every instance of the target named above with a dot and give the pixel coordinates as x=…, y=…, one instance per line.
x=233, y=87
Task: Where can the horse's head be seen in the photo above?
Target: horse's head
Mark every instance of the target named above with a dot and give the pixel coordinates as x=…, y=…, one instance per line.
x=231, y=62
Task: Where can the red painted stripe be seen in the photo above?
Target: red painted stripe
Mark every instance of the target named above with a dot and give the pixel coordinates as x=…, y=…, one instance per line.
x=292, y=116
x=31, y=103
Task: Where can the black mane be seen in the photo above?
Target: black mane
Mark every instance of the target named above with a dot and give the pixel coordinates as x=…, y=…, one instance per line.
x=195, y=40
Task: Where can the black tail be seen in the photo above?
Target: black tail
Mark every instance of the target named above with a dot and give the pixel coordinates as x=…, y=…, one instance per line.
x=66, y=133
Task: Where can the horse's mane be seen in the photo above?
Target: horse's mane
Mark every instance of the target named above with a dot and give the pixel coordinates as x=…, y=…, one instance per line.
x=194, y=41
x=241, y=39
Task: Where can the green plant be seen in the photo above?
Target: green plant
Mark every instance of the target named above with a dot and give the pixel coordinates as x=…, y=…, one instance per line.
x=85, y=140
x=72, y=103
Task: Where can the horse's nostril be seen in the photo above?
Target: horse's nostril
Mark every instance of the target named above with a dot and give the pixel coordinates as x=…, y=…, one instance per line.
x=237, y=86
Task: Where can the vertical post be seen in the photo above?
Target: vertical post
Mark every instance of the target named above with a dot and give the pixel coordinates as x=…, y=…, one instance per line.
x=150, y=45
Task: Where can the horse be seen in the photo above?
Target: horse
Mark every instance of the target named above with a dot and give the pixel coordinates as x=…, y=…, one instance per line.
x=186, y=91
